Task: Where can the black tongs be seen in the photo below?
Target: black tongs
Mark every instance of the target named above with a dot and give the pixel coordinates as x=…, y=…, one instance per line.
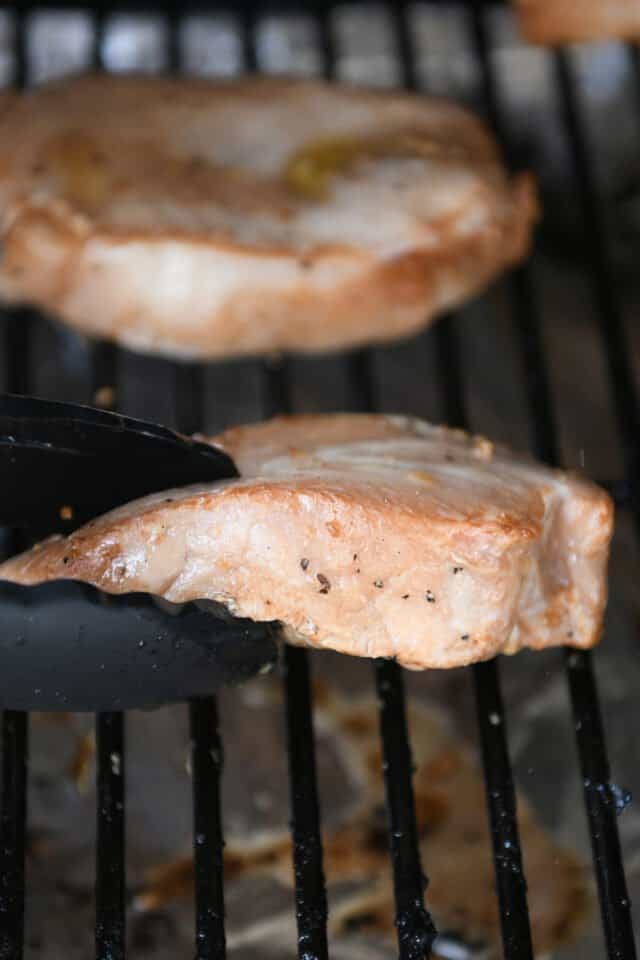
x=66, y=645
x=63, y=463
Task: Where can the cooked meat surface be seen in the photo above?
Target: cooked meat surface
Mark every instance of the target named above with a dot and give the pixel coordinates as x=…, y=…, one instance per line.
x=564, y=21
x=183, y=217
x=372, y=535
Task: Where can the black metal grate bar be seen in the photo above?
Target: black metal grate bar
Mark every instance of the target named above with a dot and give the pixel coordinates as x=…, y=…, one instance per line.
x=311, y=897
x=501, y=804
x=601, y=805
x=522, y=289
x=414, y=925
x=208, y=843
x=601, y=808
x=97, y=38
x=110, y=869
x=104, y=368
x=326, y=42
x=603, y=284
x=249, y=52
x=13, y=814
x=18, y=320
x=206, y=746
x=189, y=383
x=310, y=893
x=174, y=25
x=110, y=928
x=501, y=799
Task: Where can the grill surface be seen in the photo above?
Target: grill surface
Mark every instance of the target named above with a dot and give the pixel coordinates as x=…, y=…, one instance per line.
x=277, y=391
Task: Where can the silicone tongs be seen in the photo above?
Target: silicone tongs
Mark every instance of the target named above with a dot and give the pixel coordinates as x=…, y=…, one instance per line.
x=69, y=646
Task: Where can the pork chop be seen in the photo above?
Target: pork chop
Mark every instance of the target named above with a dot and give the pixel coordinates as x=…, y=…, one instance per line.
x=372, y=535
x=183, y=217
x=567, y=21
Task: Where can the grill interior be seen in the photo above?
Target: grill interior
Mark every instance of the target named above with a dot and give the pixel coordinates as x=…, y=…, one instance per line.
x=435, y=381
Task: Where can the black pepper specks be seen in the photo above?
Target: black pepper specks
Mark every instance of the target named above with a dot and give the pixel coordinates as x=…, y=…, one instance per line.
x=304, y=563
x=379, y=584
x=569, y=634
x=464, y=636
x=324, y=582
x=405, y=596
x=458, y=569
x=65, y=559
x=430, y=597
x=168, y=500
x=355, y=556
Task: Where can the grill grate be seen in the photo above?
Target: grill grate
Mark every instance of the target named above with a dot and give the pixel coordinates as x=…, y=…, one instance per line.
x=414, y=925
x=600, y=805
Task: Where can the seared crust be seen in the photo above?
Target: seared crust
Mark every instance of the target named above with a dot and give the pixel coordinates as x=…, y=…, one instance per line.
x=567, y=21
x=164, y=221
x=372, y=535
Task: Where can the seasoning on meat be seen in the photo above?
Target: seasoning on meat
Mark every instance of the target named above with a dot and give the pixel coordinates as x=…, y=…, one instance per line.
x=533, y=542
x=324, y=583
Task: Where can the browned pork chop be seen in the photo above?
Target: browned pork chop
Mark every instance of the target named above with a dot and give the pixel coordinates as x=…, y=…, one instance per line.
x=564, y=21
x=373, y=535
x=179, y=216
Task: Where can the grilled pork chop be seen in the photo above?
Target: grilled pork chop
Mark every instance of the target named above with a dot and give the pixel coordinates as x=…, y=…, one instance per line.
x=564, y=21
x=372, y=535
x=181, y=217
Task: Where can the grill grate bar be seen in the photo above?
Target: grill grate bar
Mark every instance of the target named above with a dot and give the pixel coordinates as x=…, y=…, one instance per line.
x=501, y=800
x=249, y=52
x=414, y=925
x=326, y=42
x=310, y=892
x=13, y=814
x=311, y=897
x=189, y=384
x=208, y=843
x=206, y=745
x=601, y=807
x=110, y=924
x=592, y=751
x=110, y=871
x=104, y=368
x=97, y=37
x=174, y=24
x=603, y=282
